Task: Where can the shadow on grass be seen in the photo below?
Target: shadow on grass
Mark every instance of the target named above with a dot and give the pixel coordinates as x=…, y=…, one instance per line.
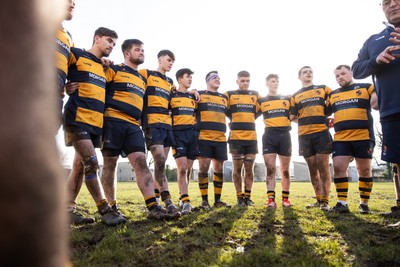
x=260, y=249
x=197, y=239
x=296, y=249
x=279, y=243
x=368, y=243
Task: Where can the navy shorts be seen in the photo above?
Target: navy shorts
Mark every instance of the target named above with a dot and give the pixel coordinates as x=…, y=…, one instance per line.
x=75, y=133
x=391, y=141
x=212, y=149
x=159, y=136
x=358, y=149
x=186, y=144
x=277, y=142
x=236, y=149
x=316, y=143
x=121, y=138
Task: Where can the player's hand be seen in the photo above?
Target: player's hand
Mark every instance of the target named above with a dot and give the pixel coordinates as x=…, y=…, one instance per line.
x=71, y=88
x=395, y=36
x=331, y=122
x=389, y=54
x=106, y=63
x=196, y=94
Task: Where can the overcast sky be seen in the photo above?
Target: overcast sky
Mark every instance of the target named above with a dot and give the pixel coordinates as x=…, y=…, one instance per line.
x=261, y=37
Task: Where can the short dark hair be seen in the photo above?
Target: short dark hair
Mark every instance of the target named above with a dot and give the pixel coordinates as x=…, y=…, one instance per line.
x=343, y=66
x=305, y=67
x=180, y=73
x=166, y=53
x=127, y=44
x=243, y=73
x=102, y=31
x=211, y=73
x=271, y=76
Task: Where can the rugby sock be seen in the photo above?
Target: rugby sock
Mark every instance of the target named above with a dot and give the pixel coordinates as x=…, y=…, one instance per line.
x=342, y=189
x=365, y=188
x=165, y=195
x=271, y=194
x=240, y=195
x=185, y=198
x=319, y=198
x=285, y=194
x=324, y=199
x=218, y=182
x=150, y=202
x=157, y=193
x=112, y=203
x=398, y=202
x=247, y=194
x=203, y=185
x=102, y=206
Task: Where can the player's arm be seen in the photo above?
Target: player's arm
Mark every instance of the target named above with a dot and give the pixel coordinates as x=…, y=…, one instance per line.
x=374, y=101
x=71, y=87
x=195, y=94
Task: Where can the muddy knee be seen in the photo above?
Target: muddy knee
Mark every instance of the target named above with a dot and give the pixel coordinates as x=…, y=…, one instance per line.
x=90, y=167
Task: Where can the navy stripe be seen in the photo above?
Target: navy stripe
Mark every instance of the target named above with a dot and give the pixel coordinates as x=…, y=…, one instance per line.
x=243, y=126
x=367, y=180
x=352, y=125
x=312, y=120
x=215, y=126
x=341, y=180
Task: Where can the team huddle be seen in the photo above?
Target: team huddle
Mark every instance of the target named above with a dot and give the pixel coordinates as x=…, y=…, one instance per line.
x=127, y=111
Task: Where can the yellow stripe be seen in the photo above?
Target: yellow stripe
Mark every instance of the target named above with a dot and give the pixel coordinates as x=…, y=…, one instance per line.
x=351, y=114
x=243, y=135
x=90, y=117
x=352, y=135
x=312, y=111
x=91, y=91
x=211, y=135
x=148, y=197
x=212, y=116
x=217, y=190
x=129, y=98
x=243, y=117
x=120, y=115
x=62, y=63
x=277, y=122
x=184, y=120
x=217, y=179
x=312, y=128
x=344, y=185
x=159, y=118
x=157, y=101
x=204, y=192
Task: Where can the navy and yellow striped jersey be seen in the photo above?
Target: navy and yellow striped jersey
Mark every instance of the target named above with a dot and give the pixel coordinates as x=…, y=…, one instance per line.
x=211, y=116
x=275, y=110
x=309, y=104
x=85, y=107
x=352, y=111
x=156, y=100
x=124, y=94
x=243, y=109
x=64, y=43
x=183, y=110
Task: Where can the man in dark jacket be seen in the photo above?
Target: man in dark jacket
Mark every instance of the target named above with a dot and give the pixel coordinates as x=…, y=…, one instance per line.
x=379, y=57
